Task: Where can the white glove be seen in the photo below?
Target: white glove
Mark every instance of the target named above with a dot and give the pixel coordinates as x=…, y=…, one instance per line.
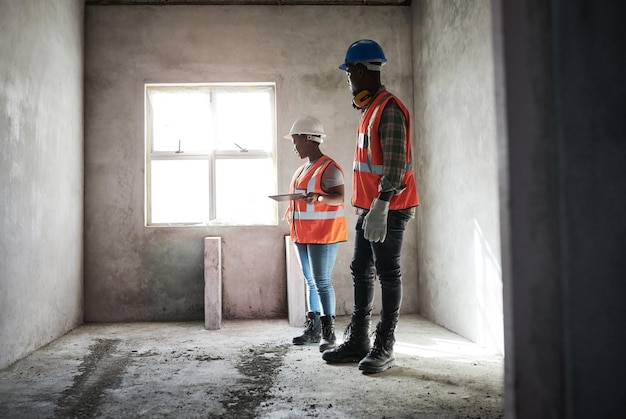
x=375, y=221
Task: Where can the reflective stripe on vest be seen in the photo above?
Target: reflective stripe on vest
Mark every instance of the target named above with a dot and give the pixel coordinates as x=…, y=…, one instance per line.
x=318, y=215
x=375, y=169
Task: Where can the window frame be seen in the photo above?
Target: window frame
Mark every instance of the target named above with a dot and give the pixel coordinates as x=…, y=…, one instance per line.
x=211, y=156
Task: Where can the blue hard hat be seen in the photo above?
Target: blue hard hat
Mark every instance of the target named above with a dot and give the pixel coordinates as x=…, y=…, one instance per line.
x=364, y=51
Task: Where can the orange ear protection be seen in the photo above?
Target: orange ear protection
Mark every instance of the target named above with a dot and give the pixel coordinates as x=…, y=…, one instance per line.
x=361, y=99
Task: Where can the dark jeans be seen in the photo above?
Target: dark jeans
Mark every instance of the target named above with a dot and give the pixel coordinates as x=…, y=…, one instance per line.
x=371, y=258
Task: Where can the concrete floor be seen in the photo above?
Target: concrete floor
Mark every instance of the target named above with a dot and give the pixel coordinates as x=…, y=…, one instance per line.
x=247, y=369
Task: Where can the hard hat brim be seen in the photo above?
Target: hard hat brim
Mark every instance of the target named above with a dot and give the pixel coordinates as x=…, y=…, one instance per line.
x=288, y=136
x=370, y=65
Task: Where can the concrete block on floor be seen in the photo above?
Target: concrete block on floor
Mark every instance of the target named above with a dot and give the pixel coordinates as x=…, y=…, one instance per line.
x=212, y=283
x=296, y=293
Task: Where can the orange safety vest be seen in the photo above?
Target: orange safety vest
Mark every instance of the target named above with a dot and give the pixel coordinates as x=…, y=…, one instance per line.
x=317, y=223
x=368, y=159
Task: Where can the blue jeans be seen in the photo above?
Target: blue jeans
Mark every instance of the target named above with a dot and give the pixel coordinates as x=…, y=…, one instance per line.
x=371, y=258
x=317, y=262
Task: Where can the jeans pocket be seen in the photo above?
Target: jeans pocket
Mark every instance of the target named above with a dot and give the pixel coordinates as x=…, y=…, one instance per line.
x=397, y=221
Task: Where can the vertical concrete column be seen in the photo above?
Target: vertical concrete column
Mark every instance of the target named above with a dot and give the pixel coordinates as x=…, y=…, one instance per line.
x=296, y=292
x=212, y=283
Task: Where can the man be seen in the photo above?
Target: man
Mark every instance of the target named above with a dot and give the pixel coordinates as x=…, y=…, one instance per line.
x=385, y=196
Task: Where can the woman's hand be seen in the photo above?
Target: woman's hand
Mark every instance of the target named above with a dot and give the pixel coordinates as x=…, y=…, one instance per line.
x=334, y=196
x=312, y=197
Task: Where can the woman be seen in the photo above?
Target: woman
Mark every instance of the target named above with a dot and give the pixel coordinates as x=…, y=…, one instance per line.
x=317, y=225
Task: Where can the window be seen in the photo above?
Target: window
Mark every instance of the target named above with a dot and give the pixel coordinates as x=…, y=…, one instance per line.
x=210, y=154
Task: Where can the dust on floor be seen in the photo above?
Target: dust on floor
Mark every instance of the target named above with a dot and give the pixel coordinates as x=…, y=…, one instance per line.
x=247, y=369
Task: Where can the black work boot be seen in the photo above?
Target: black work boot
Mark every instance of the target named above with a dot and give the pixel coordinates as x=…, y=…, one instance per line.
x=312, y=332
x=380, y=357
x=356, y=343
x=328, y=333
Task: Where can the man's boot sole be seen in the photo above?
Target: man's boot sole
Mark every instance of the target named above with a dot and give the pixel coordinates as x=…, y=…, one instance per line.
x=345, y=359
x=373, y=369
x=310, y=342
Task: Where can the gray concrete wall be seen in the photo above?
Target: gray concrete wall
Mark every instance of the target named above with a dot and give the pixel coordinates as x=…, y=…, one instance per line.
x=458, y=229
x=138, y=273
x=41, y=173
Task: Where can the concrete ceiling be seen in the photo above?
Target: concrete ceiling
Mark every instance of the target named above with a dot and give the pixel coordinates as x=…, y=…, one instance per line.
x=250, y=2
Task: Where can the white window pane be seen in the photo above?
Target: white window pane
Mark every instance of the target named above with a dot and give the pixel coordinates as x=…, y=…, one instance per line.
x=180, y=117
x=245, y=118
x=207, y=120
x=243, y=187
x=180, y=191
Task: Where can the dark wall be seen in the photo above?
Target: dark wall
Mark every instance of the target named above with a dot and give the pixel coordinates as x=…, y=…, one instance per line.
x=565, y=99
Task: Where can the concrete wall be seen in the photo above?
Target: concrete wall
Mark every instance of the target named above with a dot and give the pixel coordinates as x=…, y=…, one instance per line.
x=138, y=273
x=460, y=279
x=41, y=173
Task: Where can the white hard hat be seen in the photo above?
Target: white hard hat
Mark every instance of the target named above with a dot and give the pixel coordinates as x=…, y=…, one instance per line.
x=307, y=125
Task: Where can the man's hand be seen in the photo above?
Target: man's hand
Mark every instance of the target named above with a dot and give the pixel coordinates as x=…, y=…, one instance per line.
x=375, y=221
